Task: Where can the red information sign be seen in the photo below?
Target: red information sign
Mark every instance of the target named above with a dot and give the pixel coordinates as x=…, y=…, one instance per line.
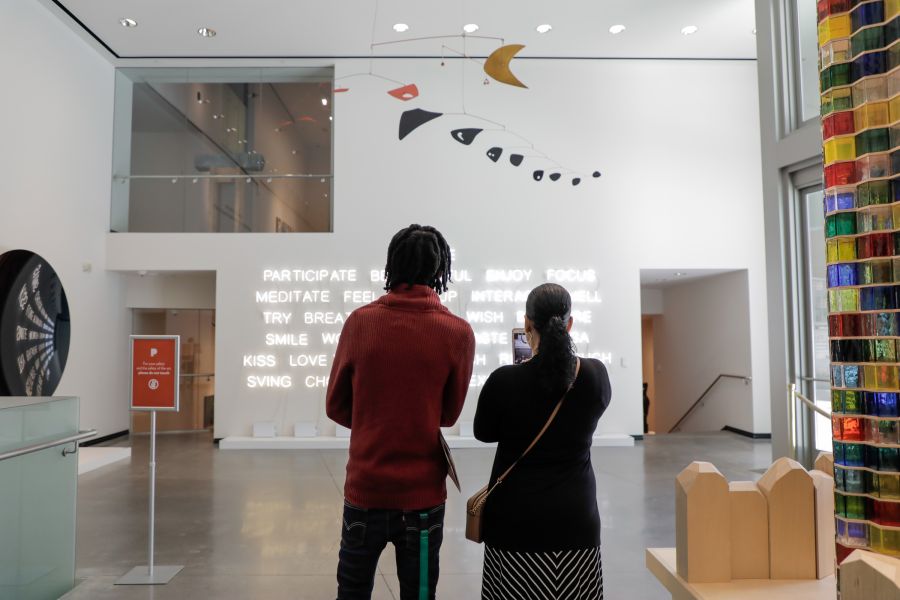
x=154, y=372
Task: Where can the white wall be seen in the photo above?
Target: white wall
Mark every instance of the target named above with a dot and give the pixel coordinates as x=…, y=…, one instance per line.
x=680, y=187
x=171, y=290
x=651, y=301
x=703, y=332
x=56, y=119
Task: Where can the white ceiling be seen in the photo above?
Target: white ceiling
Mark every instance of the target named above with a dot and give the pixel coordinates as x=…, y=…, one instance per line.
x=341, y=28
x=663, y=278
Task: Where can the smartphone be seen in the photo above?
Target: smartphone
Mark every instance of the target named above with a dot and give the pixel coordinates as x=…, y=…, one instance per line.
x=521, y=349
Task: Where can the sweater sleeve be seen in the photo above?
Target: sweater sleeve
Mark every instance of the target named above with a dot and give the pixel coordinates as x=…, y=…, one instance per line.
x=339, y=397
x=458, y=381
x=487, y=415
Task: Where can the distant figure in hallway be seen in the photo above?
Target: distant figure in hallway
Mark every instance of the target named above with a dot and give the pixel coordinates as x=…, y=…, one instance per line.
x=646, y=409
x=541, y=526
x=401, y=372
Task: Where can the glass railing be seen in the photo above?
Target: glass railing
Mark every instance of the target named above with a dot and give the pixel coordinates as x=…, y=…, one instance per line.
x=38, y=482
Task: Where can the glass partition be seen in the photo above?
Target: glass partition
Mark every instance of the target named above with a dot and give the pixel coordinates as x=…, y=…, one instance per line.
x=37, y=499
x=222, y=150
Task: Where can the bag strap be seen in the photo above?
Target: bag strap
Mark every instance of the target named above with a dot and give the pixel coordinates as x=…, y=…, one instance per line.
x=539, y=435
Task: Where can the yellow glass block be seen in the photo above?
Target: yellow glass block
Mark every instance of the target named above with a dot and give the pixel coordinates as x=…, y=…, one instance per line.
x=871, y=89
x=831, y=250
x=891, y=9
x=834, y=304
x=840, y=149
x=881, y=377
x=848, y=300
x=889, y=487
x=871, y=114
x=846, y=249
x=894, y=109
x=834, y=27
x=835, y=51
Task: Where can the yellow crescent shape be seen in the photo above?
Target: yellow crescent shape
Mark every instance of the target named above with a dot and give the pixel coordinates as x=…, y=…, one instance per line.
x=497, y=65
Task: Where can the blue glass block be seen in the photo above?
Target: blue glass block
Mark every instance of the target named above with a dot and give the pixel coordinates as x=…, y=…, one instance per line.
x=867, y=14
x=838, y=451
x=858, y=532
x=877, y=298
x=886, y=325
x=887, y=404
x=868, y=64
x=829, y=203
x=854, y=481
x=839, y=479
x=837, y=376
x=846, y=274
x=841, y=530
x=870, y=403
x=854, y=455
x=845, y=201
x=833, y=276
x=851, y=376
x=888, y=459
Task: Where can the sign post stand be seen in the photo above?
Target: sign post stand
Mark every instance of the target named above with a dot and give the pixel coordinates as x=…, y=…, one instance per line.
x=155, y=362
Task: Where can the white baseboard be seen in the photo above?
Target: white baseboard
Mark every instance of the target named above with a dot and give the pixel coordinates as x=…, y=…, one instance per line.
x=338, y=443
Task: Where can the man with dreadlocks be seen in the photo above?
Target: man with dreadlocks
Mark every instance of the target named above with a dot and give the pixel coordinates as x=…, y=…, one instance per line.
x=401, y=372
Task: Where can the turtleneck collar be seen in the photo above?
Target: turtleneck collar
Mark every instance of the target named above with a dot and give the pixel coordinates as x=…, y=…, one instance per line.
x=417, y=297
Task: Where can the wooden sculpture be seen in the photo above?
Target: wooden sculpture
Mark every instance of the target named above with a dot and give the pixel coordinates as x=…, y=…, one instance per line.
x=749, y=531
x=869, y=576
x=702, y=524
x=825, y=535
x=825, y=463
x=790, y=493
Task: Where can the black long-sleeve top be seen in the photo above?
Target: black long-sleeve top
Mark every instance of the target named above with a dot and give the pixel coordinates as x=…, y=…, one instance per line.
x=549, y=502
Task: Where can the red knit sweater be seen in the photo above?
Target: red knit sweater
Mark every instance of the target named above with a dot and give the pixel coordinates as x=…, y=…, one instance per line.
x=401, y=372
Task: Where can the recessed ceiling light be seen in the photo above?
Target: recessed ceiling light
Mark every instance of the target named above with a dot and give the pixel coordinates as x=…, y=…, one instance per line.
x=324, y=101
x=470, y=28
x=753, y=31
x=206, y=32
x=616, y=29
x=689, y=30
x=680, y=274
x=401, y=27
x=128, y=23
x=544, y=28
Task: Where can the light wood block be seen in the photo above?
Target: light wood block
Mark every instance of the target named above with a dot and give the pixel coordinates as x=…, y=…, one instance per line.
x=703, y=524
x=825, y=463
x=661, y=563
x=790, y=494
x=870, y=576
x=749, y=531
x=825, y=534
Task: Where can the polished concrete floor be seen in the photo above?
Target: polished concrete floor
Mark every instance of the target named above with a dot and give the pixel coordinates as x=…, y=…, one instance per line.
x=266, y=524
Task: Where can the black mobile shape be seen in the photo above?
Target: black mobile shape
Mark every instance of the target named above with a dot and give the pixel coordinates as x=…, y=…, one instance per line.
x=495, y=153
x=465, y=136
x=516, y=159
x=538, y=175
x=554, y=176
x=596, y=174
x=576, y=181
x=412, y=119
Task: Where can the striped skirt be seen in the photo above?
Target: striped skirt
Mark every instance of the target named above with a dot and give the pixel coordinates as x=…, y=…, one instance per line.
x=566, y=575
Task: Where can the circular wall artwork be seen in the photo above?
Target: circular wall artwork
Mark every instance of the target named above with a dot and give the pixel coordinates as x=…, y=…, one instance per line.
x=34, y=325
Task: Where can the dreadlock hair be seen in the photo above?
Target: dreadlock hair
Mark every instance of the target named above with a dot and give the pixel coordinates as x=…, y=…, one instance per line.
x=549, y=307
x=418, y=255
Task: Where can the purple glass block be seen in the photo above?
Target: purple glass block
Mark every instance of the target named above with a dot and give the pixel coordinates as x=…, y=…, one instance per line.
x=851, y=376
x=830, y=203
x=837, y=376
x=845, y=201
x=846, y=274
x=858, y=533
x=887, y=404
x=833, y=276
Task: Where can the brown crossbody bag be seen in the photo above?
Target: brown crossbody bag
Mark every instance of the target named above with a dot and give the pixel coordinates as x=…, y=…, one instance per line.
x=475, y=505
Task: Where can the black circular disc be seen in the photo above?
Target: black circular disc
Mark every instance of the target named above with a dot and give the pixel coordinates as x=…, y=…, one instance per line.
x=34, y=325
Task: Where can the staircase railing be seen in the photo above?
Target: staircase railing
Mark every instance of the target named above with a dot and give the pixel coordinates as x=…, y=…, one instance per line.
x=702, y=397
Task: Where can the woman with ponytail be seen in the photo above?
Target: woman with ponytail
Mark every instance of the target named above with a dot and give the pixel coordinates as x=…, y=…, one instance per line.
x=541, y=526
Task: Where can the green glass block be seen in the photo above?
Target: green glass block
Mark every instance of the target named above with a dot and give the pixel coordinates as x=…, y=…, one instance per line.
x=867, y=39
x=854, y=454
x=849, y=300
x=855, y=481
x=830, y=226
x=880, y=192
x=873, y=140
x=853, y=402
x=833, y=301
x=837, y=401
x=846, y=223
x=834, y=76
x=840, y=506
x=856, y=507
x=885, y=351
x=887, y=457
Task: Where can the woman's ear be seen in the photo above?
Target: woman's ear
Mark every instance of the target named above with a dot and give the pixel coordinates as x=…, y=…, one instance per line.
x=529, y=325
x=569, y=325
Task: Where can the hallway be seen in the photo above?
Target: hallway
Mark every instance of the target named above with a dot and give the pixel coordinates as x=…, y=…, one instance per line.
x=266, y=524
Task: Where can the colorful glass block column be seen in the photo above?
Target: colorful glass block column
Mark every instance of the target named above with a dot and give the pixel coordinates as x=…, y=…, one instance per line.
x=860, y=84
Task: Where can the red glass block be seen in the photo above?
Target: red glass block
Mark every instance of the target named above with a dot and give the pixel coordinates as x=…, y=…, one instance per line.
x=842, y=552
x=864, y=247
x=852, y=430
x=835, y=326
x=886, y=513
x=842, y=173
x=836, y=432
x=875, y=245
x=824, y=8
x=853, y=325
x=840, y=123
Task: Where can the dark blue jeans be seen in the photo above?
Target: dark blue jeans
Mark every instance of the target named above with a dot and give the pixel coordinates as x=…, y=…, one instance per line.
x=416, y=534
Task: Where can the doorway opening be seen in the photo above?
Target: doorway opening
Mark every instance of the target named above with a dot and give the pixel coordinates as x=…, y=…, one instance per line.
x=696, y=354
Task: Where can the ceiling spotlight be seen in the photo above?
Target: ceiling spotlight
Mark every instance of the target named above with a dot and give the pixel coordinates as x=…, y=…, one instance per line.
x=128, y=22
x=470, y=28
x=206, y=32
x=689, y=30
x=401, y=27
x=324, y=101
x=544, y=28
x=680, y=274
x=753, y=31
x=616, y=29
